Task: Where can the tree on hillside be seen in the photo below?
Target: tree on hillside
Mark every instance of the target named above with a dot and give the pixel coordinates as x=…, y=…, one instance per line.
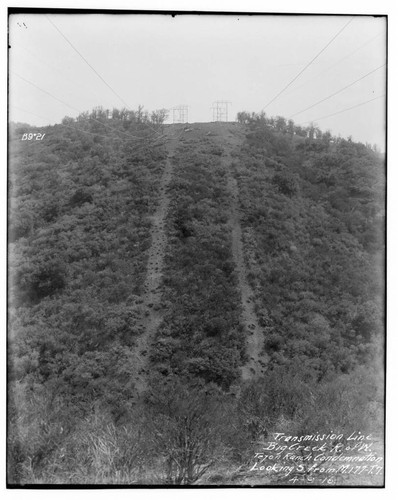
x=243, y=117
x=186, y=422
x=280, y=124
x=159, y=116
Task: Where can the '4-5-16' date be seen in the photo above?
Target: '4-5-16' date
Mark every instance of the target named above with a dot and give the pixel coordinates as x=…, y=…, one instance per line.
x=30, y=137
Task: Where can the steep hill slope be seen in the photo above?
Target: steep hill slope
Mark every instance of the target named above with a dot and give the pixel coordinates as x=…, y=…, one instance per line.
x=207, y=284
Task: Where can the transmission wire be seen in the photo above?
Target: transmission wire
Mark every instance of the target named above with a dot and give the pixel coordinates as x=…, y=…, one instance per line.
x=337, y=92
x=309, y=64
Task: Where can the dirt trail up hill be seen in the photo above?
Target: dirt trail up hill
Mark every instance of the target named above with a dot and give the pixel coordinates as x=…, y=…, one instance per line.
x=152, y=288
x=228, y=136
x=231, y=136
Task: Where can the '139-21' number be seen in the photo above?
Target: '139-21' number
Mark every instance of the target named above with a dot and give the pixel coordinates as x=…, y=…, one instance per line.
x=29, y=137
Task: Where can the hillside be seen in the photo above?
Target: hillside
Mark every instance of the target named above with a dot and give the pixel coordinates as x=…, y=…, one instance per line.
x=178, y=293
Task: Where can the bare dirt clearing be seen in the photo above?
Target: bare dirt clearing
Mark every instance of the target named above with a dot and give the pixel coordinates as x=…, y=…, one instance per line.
x=231, y=137
x=152, y=315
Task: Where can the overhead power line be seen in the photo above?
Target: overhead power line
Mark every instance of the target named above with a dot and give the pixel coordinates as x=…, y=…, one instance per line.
x=88, y=64
x=53, y=68
x=45, y=92
x=309, y=64
x=337, y=92
x=326, y=70
x=130, y=136
x=346, y=109
x=94, y=70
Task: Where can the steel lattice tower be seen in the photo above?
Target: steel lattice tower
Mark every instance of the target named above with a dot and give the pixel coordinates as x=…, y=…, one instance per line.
x=180, y=114
x=220, y=111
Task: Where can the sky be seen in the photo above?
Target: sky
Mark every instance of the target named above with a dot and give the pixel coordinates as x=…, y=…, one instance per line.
x=161, y=62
